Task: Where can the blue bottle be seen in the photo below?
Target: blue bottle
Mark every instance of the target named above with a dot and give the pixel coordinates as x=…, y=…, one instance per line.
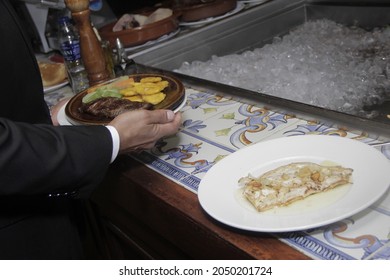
x=70, y=48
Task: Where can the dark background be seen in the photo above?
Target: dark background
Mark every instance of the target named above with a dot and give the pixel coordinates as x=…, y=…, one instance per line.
x=120, y=7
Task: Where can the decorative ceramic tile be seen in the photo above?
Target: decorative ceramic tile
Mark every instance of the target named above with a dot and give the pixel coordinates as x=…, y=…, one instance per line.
x=315, y=128
x=214, y=127
x=184, y=158
x=204, y=105
x=365, y=235
x=239, y=125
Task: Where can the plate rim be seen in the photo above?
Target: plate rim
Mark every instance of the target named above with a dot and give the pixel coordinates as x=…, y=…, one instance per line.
x=238, y=8
x=56, y=86
x=210, y=209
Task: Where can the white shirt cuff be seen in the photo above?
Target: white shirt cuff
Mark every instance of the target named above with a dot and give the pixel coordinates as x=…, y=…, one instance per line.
x=115, y=142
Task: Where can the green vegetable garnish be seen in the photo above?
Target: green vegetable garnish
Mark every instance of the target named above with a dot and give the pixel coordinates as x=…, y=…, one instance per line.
x=101, y=92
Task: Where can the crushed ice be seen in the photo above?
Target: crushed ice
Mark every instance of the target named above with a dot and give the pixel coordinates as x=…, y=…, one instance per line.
x=321, y=63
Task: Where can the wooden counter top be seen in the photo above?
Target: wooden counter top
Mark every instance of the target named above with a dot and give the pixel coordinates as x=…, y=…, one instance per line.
x=143, y=215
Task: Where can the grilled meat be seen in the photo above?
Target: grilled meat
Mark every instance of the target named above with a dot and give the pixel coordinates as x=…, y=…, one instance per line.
x=110, y=107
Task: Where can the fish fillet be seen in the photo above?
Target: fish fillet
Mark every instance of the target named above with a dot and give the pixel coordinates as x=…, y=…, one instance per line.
x=292, y=182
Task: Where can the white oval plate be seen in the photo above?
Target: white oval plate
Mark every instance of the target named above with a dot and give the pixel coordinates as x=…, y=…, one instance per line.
x=55, y=87
x=219, y=193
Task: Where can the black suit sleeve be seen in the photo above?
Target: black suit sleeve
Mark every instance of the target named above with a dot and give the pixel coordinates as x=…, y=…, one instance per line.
x=43, y=159
x=35, y=157
x=38, y=159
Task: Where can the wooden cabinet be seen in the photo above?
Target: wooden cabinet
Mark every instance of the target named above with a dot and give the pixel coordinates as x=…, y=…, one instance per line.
x=137, y=213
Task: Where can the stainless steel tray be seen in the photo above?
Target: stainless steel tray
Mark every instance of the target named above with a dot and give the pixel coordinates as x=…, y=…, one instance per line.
x=273, y=18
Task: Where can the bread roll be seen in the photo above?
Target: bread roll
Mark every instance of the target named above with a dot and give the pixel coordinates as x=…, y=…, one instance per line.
x=52, y=73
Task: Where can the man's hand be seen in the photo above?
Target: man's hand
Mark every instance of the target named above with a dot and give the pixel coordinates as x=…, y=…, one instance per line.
x=141, y=129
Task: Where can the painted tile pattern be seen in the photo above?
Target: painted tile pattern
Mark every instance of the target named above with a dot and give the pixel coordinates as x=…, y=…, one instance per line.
x=214, y=127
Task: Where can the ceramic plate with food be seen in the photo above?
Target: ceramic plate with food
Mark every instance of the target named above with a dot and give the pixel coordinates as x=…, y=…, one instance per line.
x=137, y=29
x=53, y=75
x=99, y=104
x=283, y=172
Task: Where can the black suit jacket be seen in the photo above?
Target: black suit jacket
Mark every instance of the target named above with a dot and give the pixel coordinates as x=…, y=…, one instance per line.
x=40, y=163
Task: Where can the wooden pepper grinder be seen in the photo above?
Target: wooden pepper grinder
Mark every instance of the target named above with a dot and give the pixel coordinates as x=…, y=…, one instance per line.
x=91, y=50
